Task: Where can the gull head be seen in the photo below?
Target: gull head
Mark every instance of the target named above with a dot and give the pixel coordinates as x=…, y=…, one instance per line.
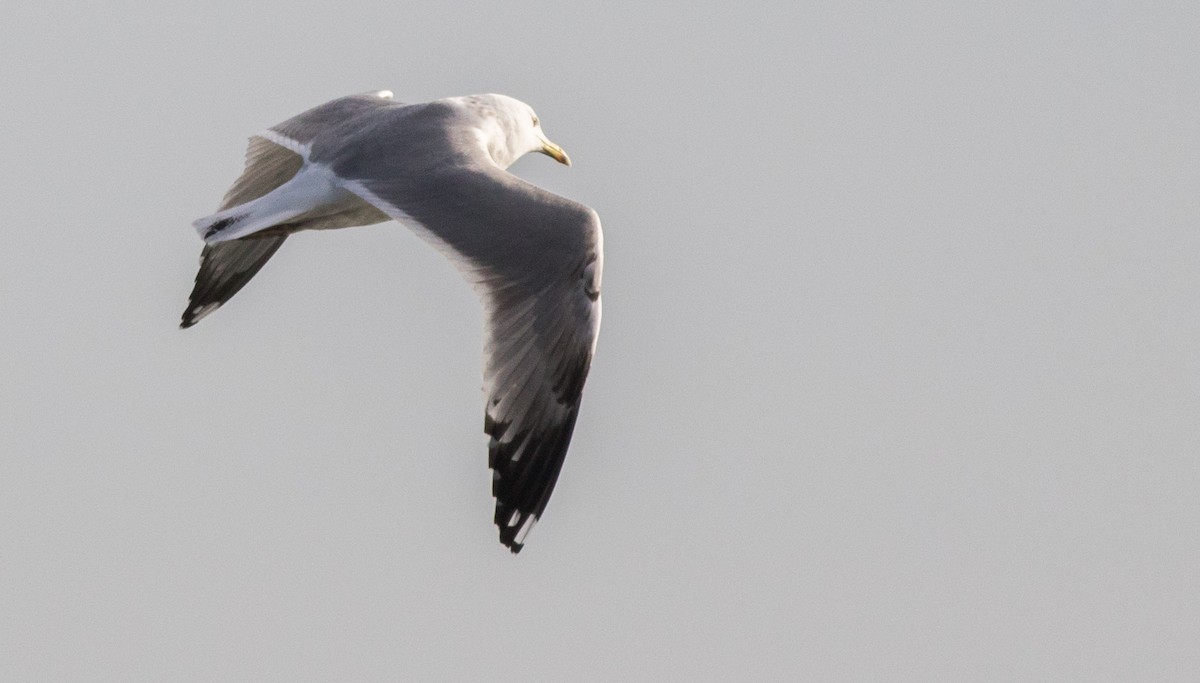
x=509, y=129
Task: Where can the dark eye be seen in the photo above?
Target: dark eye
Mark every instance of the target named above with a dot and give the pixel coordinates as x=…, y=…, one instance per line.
x=535, y=121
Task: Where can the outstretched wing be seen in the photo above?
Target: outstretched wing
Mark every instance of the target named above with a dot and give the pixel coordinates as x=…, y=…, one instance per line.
x=272, y=158
x=536, y=260
x=539, y=344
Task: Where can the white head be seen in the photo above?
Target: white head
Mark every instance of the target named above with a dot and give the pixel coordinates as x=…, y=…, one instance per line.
x=509, y=129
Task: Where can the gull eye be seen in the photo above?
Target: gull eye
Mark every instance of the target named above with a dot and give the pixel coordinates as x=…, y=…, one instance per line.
x=535, y=121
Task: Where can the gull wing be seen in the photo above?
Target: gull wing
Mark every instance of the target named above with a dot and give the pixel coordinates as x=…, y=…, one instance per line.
x=273, y=157
x=536, y=260
x=538, y=349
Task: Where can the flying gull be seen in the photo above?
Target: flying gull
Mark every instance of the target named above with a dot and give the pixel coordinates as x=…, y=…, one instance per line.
x=534, y=257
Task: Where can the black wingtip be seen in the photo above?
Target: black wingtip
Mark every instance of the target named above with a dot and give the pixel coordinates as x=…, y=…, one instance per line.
x=508, y=537
x=514, y=526
x=194, y=314
x=225, y=268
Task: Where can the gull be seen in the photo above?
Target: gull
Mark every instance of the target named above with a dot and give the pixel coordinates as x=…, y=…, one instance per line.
x=534, y=258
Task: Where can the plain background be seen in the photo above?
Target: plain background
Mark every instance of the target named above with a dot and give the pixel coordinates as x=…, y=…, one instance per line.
x=899, y=377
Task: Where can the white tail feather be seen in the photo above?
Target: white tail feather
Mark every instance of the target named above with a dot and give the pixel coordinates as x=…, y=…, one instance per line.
x=311, y=188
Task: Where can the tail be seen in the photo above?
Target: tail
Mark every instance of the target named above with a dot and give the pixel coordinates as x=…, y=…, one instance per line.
x=310, y=189
x=212, y=226
x=240, y=239
x=245, y=219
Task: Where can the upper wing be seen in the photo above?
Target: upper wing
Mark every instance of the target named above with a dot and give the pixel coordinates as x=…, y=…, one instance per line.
x=272, y=158
x=300, y=130
x=536, y=260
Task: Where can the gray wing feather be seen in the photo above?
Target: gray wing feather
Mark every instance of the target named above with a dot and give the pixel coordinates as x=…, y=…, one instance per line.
x=536, y=360
x=306, y=126
x=536, y=259
x=267, y=167
x=226, y=267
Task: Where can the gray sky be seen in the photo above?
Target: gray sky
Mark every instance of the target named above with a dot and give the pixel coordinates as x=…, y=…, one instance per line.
x=899, y=376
